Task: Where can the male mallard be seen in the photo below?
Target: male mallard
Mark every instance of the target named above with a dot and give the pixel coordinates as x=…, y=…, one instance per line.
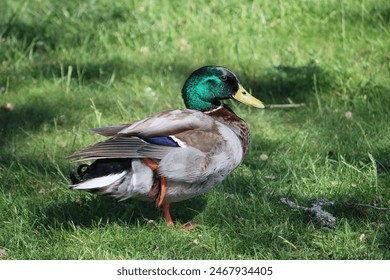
x=174, y=155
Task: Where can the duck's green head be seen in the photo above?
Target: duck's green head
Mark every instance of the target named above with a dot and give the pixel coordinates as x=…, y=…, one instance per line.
x=208, y=85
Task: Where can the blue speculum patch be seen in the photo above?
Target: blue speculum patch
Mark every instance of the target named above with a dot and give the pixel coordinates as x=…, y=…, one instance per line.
x=163, y=140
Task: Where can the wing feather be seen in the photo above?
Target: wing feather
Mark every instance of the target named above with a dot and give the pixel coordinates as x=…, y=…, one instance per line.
x=109, y=130
x=169, y=123
x=122, y=147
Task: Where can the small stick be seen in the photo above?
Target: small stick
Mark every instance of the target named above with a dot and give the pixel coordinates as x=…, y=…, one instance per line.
x=273, y=106
x=368, y=205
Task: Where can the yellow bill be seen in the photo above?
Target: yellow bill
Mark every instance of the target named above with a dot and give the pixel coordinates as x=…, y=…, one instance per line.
x=245, y=97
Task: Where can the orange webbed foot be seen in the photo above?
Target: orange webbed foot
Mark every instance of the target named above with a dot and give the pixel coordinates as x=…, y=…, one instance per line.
x=167, y=214
x=188, y=226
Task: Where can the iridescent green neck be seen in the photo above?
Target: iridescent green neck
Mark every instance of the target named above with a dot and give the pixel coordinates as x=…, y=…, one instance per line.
x=194, y=103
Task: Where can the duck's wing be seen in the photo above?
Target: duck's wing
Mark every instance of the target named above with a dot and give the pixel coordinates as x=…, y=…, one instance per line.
x=153, y=137
x=122, y=147
x=109, y=130
x=169, y=123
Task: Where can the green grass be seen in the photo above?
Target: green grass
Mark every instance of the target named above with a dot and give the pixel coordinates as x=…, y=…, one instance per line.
x=68, y=66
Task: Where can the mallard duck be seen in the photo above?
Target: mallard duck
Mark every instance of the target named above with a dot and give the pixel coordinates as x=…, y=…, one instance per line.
x=174, y=155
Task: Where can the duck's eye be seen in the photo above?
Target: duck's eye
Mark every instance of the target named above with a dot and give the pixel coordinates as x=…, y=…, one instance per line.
x=223, y=78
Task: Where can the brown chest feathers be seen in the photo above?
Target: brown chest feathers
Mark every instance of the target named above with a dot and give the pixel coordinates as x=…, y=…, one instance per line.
x=226, y=116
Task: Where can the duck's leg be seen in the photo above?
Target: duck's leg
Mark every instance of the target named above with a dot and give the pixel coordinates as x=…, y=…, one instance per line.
x=163, y=181
x=163, y=190
x=160, y=198
x=167, y=214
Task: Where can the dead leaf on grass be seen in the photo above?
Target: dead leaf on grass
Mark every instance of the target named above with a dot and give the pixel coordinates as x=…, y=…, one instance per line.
x=348, y=115
x=144, y=50
x=151, y=223
x=8, y=107
x=3, y=253
x=263, y=157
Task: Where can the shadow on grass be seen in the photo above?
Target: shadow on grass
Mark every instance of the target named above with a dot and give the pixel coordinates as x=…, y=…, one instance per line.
x=30, y=36
x=382, y=14
x=29, y=117
x=40, y=38
x=86, y=73
x=38, y=110
x=382, y=157
x=46, y=33
x=106, y=70
x=132, y=212
x=377, y=15
x=277, y=85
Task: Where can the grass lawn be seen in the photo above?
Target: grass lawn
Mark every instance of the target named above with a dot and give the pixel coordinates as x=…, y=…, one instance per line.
x=66, y=66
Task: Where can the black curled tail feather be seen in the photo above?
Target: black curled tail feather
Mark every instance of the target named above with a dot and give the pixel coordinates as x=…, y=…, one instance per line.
x=99, y=168
x=81, y=170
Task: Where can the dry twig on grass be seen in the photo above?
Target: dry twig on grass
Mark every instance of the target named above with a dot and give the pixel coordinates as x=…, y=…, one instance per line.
x=368, y=205
x=274, y=106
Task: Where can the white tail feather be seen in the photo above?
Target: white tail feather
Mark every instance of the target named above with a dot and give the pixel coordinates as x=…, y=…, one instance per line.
x=100, y=182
